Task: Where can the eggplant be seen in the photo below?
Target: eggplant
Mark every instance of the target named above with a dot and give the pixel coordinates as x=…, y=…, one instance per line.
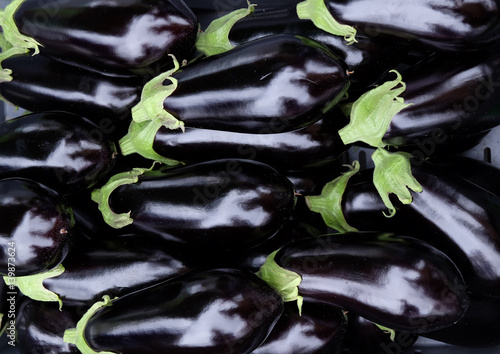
x=61, y=150
x=365, y=337
x=398, y=282
x=135, y=36
x=453, y=97
x=453, y=214
x=40, y=327
x=312, y=146
x=319, y=329
x=441, y=24
x=37, y=228
x=222, y=203
x=369, y=59
x=270, y=85
x=478, y=328
x=482, y=173
x=42, y=84
x=215, y=311
x=114, y=266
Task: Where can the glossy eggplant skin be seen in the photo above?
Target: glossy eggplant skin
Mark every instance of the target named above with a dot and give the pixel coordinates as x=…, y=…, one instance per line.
x=369, y=59
x=365, y=337
x=442, y=24
x=61, y=150
x=43, y=84
x=40, y=327
x=274, y=84
x=228, y=203
x=215, y=311
x=315, y=145
x=478, y=328
x=453, y=214
x=453, y=96
x=395, y=281
x=114, y=266
x=319, y=329
x=36, y=227
x=143, y=32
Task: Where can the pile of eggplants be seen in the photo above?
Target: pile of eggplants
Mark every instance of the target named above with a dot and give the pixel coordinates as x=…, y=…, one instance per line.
x=179, y=180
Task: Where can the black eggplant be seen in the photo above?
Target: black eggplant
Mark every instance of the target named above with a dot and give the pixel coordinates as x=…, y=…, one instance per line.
x=36, y=228
x=216, y=311
x=220, y=203
x=319, y=329
x=365, y=337
x=115, y=267
x=109, y=36
x=61, y=150
x=456, y=216
x=40, y=327
x=43, y=84
x=441, y=24
x=273, y=84
x=478, y=328
x=369, y=59
x=453, y=97
x=312, y=146
x=398, y=282
x=482, y=173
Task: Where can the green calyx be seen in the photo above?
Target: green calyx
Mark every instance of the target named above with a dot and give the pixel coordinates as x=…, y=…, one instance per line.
x=317, y=12
x=32, y=285
x=140, y=139
x=372, y=113
x=154, y=92
x=389, y=331
x=392, y=174
x=13, y=42
x=215, y=38
x=329, y=203
x=101, y=196
x=76, y=335
x=284, y=281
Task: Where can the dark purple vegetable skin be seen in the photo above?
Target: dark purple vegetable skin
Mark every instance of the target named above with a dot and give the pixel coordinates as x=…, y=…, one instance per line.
x=36, y=228
x=319, y=329
x=365, y=337
x=115, y=266
x=216, y=311
x=229, y=203
x=61, y=150
x=312, y=146
x=40, y=327
x=453, y=214
x=441, y=24
x=144, y=32
x=278, y=83
x=369, y=59
x=478, y=328
x=455, y=97
x=395, y=281
x=42, y=84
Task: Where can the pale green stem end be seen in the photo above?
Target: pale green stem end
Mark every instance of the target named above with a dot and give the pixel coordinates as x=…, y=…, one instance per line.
x=393, y=175
x=154, y=93
x=284, y=281
x=215, y=38
x=140, y=139
x=13, y=42
x=101, y=196
x=76, y=335
x=32, y=285
x=318, y=13
x=329, y=202
x=371, y=114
